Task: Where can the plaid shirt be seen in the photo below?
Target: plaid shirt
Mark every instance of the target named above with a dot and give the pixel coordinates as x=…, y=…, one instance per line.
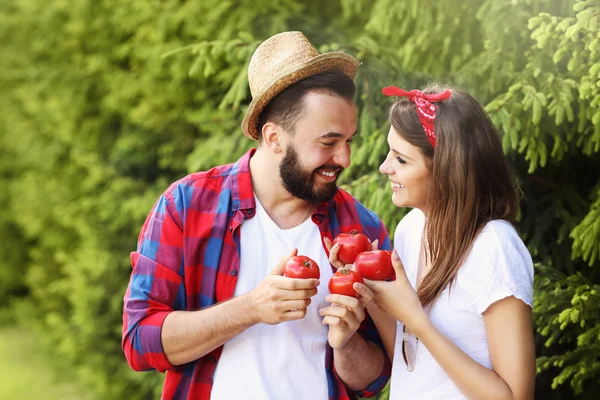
x=188, y=257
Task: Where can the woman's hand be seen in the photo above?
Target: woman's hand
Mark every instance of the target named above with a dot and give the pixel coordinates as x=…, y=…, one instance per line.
x=398, y=298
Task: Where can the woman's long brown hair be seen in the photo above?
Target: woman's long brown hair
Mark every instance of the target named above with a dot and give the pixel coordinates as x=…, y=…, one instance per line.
x=470, y=181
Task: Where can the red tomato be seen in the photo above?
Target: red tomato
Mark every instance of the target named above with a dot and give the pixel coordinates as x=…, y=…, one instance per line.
x=341, y=282
x=351, y=244
x=376, y=265
x=301, y=267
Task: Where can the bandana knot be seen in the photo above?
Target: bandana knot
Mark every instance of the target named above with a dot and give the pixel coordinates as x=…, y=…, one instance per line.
x=425, y=108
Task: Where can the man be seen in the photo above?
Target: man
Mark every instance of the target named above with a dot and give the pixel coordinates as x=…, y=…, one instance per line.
x=207, y=300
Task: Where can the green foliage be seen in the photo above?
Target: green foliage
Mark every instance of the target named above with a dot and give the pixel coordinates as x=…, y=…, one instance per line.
x=566, y=308
x=107, y=102
x=23, y=361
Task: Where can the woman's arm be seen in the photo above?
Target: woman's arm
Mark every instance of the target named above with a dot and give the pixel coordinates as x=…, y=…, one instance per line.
x=384, y=322
x=509, y=333
x=510, y=340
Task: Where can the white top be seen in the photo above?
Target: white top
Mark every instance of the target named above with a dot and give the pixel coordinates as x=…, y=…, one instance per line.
x=498, y=266
x=287, y=360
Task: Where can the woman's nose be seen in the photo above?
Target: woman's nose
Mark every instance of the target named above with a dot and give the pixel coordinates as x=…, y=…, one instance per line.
x=384, y=169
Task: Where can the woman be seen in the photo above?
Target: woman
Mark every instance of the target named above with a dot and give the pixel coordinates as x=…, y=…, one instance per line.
x=457, y=320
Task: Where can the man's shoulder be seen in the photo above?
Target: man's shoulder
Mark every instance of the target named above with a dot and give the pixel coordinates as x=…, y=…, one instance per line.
x=214, y=179
x=207, y=185
x=201, y=179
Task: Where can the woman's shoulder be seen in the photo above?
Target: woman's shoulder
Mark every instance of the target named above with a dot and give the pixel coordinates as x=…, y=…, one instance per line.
x=414, y=219
x=408, y=232
x=498, y=242
x=498, y=236
x=498, y=265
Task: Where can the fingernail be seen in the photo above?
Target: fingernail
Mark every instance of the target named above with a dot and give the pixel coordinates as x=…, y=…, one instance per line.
x=395, y=255
x=358, y=286
x=321, y=311
x=328, y=298
x=317, y=282
x=335, y=246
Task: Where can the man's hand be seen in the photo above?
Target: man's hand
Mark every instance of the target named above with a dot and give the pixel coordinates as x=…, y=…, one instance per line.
x=344, y=316
x=346, y=313
x=278, y=299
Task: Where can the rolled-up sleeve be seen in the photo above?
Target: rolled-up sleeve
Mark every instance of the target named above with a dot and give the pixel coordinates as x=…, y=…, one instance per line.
x=378, y=384
x=155, y=288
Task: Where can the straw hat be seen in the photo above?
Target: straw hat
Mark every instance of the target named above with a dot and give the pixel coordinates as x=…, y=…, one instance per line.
x=281, y=61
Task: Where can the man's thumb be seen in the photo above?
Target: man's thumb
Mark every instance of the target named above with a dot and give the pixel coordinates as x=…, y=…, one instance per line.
x=278, y=270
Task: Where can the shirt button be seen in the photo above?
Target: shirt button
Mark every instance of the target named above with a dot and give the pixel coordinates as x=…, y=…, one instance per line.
x=250, y=211
x=212, y=360
x=233, y=272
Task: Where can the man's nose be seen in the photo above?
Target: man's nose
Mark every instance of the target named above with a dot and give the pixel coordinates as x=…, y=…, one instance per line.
x=342, y=157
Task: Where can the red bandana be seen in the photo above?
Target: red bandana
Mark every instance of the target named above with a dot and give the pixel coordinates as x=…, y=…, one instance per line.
x=425, y=108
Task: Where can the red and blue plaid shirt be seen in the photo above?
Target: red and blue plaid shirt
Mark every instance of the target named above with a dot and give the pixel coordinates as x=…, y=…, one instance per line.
x=188, y=257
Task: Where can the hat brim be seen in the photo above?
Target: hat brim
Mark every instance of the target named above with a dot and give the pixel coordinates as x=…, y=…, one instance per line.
x=333, y=61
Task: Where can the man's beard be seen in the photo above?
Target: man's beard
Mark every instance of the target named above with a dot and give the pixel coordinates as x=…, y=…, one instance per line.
x=300, y=183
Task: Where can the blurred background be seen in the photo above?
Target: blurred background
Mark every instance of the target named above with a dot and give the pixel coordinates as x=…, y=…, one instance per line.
x=103, y=103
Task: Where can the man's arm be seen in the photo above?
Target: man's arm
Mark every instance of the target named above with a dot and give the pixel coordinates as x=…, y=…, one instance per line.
x=359, y=363
x=155, y=336
x=187, y=336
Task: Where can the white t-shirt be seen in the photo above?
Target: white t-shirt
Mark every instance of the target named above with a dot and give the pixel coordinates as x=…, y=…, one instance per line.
x=287, y=360
x=498, y=266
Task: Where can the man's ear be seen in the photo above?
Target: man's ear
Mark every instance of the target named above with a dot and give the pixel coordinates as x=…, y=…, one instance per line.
x=271, y=134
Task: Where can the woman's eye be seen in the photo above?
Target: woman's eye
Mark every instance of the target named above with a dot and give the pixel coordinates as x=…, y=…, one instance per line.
x=328, y=144
x=400, y=160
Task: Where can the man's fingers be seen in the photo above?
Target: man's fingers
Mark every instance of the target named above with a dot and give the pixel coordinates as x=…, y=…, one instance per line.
x=278, y=270
x=293, y=315
x=292, y=305
x=298, y=294
x=344, y=301
x=332, y=321
x=344, y=316
x=295, y=283
x=352, y=317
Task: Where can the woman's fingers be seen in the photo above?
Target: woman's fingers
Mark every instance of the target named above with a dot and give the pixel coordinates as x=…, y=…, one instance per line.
x=366, y=295
x=398, y=266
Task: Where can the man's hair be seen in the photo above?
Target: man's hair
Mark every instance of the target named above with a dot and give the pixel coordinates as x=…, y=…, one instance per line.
x=287, y=107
